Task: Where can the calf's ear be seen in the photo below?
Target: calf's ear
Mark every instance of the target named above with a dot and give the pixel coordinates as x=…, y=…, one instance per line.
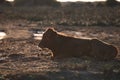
x=51, y=30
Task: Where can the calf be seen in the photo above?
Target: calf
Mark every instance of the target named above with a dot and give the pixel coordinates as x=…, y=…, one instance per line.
x=66, y=46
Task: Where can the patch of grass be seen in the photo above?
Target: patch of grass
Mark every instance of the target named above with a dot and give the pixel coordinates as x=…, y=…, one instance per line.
x=35, y=18
x=67, y=16
x=1, y=77
x=26, y=76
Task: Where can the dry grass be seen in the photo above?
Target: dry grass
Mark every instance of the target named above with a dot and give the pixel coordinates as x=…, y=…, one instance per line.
x=70, y=16
x=22, y=59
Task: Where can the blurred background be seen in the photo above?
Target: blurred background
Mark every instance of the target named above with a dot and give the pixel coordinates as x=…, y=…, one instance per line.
x=63, y=12
x=23, y=22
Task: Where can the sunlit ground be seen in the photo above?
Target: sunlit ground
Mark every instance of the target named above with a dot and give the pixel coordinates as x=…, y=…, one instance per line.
x=2, y=35
x=10, y=0
x=74, y=0
x=79, y=0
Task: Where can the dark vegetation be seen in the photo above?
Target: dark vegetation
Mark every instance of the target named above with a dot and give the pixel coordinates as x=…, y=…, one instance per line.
x=37, y=3
x=67, y=16
x=4, y=3
x=112, y=3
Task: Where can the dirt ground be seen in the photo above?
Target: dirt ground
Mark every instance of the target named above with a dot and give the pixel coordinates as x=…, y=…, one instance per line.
x=22, y=59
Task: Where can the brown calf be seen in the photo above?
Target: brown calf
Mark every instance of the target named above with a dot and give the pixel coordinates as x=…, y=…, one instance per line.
x=66, y=46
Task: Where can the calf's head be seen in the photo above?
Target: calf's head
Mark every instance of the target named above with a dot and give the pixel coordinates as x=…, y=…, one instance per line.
x=48, y=38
